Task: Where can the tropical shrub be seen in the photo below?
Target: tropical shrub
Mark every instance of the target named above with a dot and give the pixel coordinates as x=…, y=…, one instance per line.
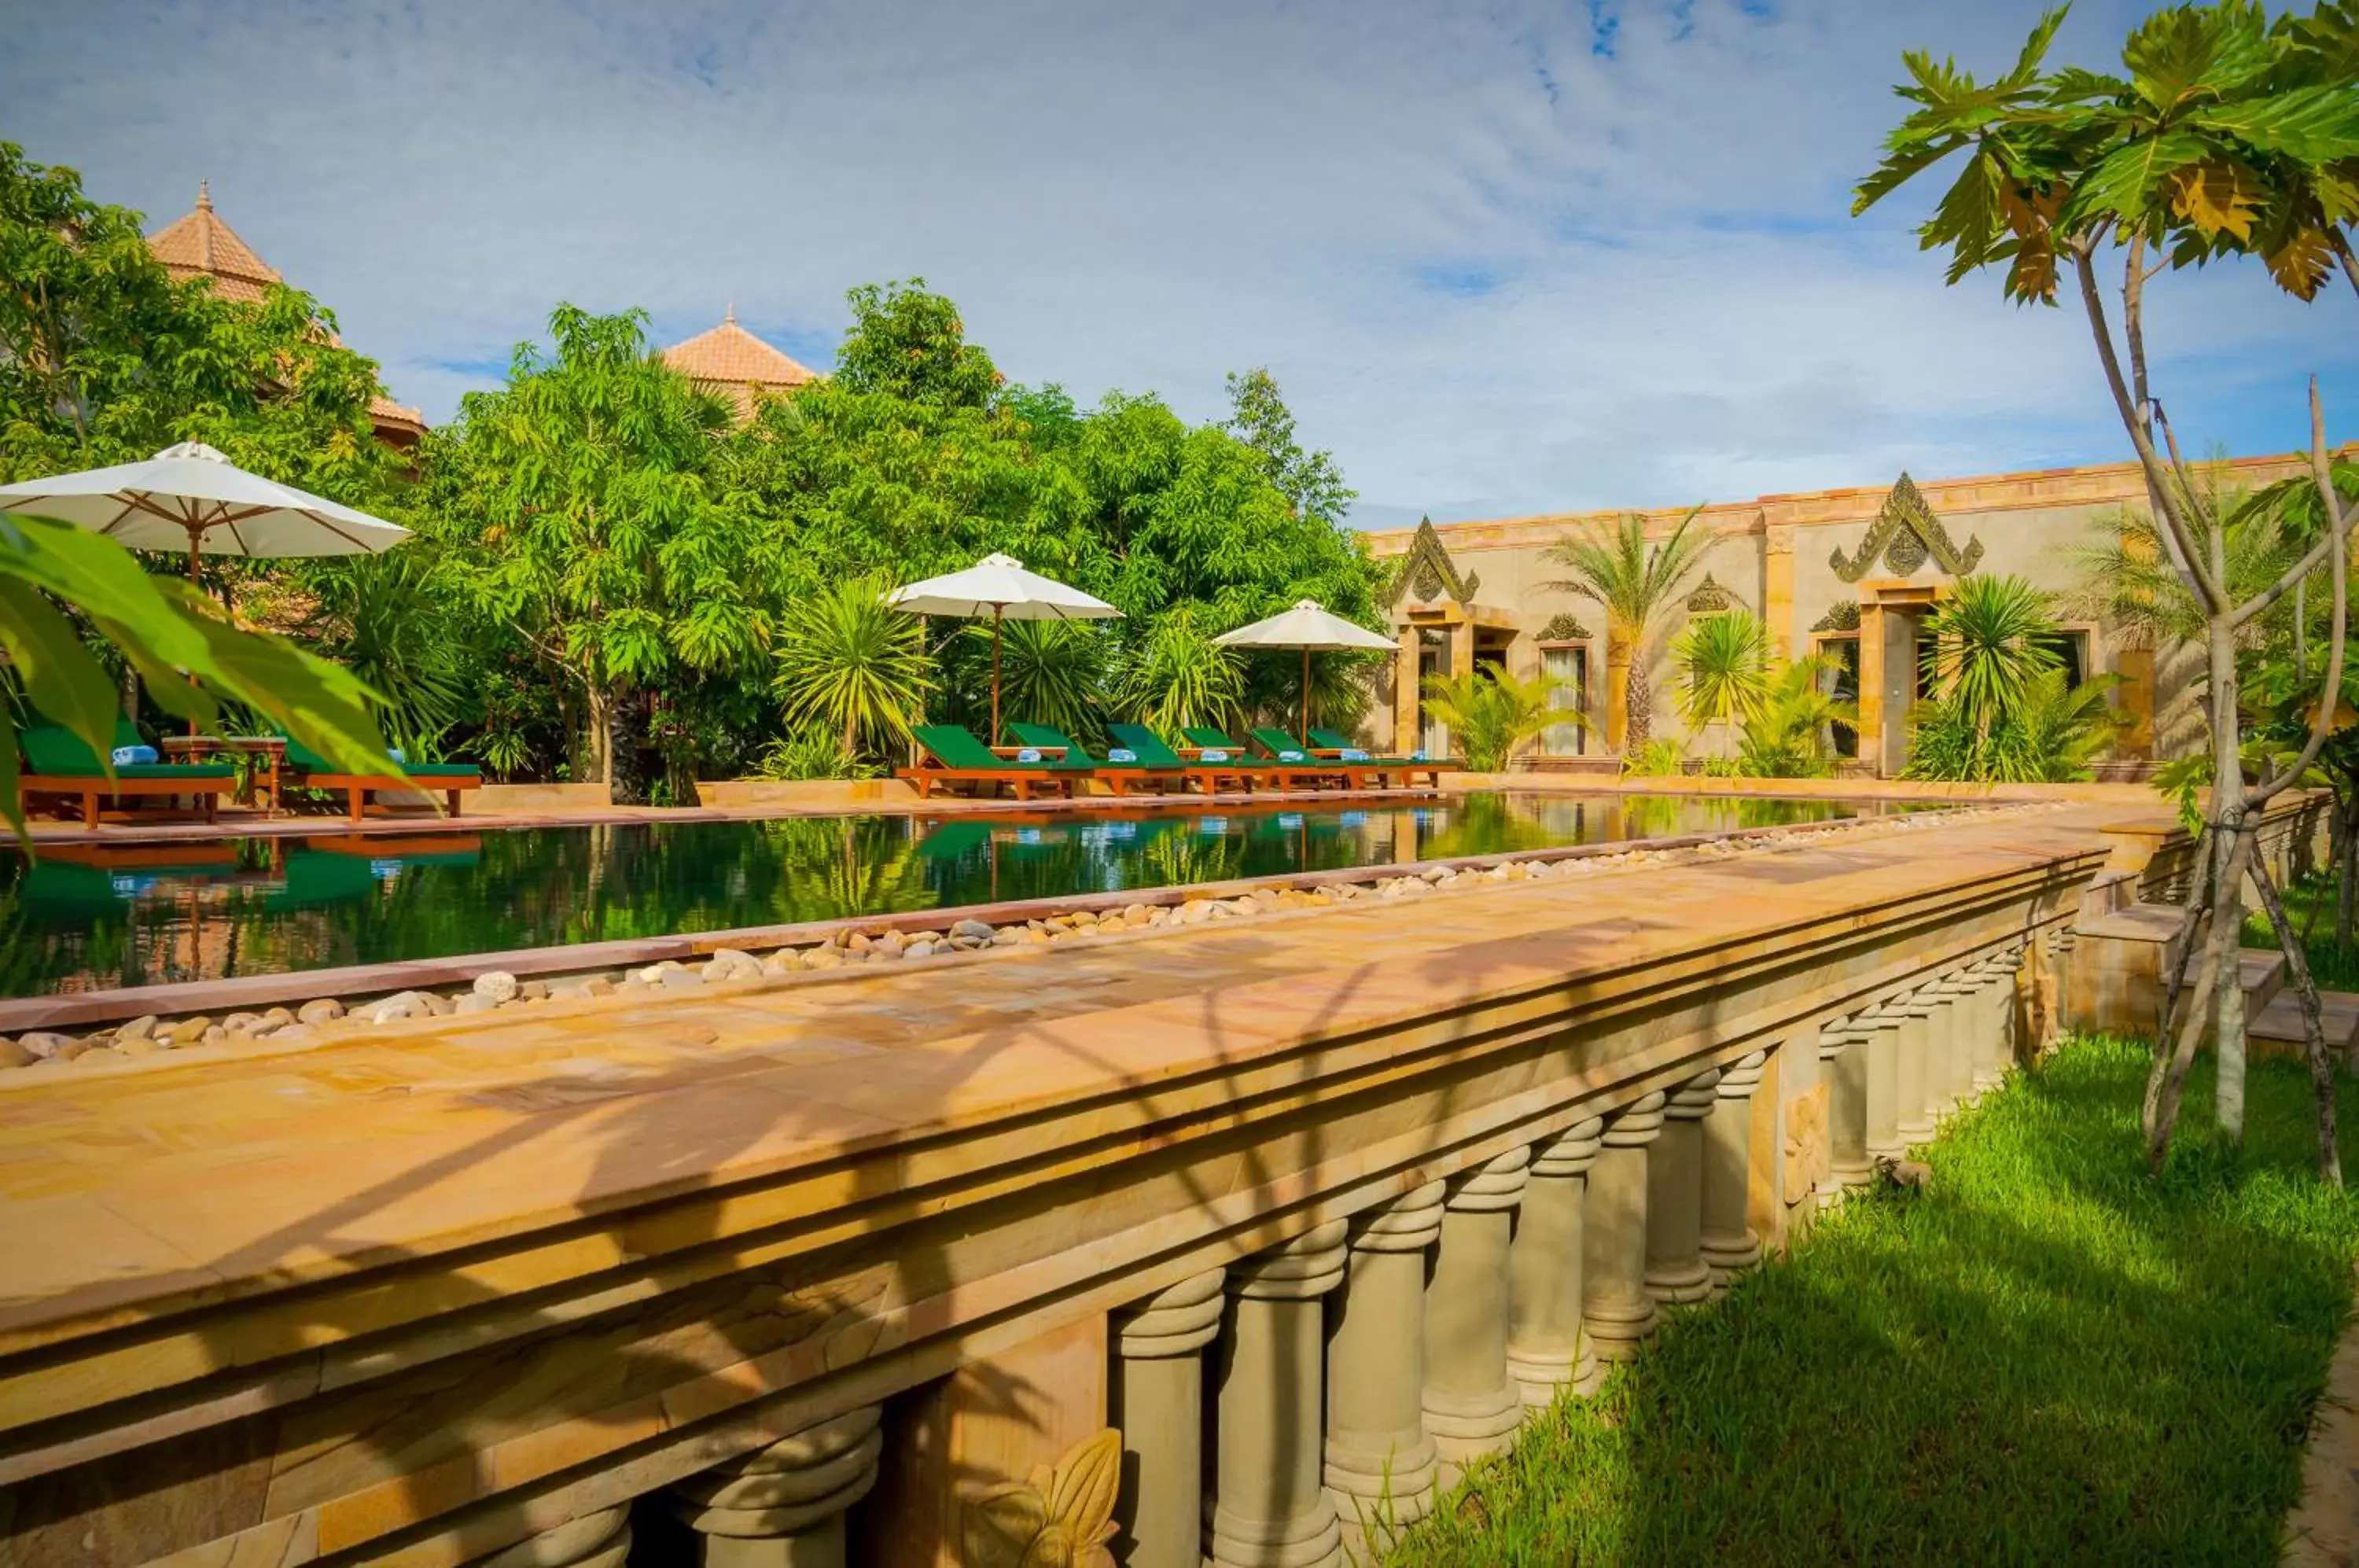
x=1723, y=661
x=1663, y=758
x=1787, y=737
x=1050, y=673
x=1177, y=676
x=848, y=662
x=1492, y=716
x=811, y=752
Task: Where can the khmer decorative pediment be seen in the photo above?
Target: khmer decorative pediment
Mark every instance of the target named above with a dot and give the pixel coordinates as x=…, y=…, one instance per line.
x=1709, y=598
x=1842, y=616
x=1565, y=628
x=1426, y=574
x=1905, y=535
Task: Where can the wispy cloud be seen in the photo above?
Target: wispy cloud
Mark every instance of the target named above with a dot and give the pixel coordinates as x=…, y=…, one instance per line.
x=1524, y=257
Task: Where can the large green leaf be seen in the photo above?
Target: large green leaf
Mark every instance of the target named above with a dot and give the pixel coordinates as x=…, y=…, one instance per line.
x=2128, y=183
x=2311, y=125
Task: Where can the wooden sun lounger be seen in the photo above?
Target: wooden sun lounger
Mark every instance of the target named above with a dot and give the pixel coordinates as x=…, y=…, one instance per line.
x=950, y=754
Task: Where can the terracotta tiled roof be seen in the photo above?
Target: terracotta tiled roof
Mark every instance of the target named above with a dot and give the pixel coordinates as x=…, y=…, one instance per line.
x=731, y=360
x=201, y=245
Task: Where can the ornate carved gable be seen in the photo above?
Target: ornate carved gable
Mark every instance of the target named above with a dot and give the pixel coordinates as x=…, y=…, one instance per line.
x=1905, y=535
x=1709, y=598
x=1426, y=572
x=1566, y=627
x=1842, y=616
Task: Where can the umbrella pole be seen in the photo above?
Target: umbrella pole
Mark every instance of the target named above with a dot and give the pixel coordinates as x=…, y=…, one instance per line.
x=995, y=612
x=1303, y=734
x=195, y=533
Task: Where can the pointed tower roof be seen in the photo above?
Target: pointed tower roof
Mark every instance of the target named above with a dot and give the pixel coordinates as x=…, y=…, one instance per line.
x=734, y=361
x=201, y=245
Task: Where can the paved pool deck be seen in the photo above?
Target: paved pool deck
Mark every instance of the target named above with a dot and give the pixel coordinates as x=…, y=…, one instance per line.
x=140, y=1190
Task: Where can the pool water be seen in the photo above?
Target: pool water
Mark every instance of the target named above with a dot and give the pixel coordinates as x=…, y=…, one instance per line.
x=91, y=916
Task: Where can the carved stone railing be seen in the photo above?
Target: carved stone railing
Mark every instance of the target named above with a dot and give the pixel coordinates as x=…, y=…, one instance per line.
x=1325, y=1238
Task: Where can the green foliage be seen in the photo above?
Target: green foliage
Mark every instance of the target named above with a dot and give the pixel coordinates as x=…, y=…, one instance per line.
x=1052, y=672
x=2226, y=133
x=851, y=664
x=811, y=754
x=1177, y=676
x=2050, y=734
x=1661, y=758
x=1493, y=716
x=191, y=658
x=389, y=621
x=909, y=344
x=1788, y=736
x=1310, y=481
x=1724, y=667
x=2043, y=1356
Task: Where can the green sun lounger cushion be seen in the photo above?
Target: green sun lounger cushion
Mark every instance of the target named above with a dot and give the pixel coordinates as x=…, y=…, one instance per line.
x=56, y=750
x=1048, y=738
x=955, y=747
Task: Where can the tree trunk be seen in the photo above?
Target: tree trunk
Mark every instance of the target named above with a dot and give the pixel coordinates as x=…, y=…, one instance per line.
x=2159, y=1109
x=598, y=737
x=1638, y=698
x=2235, y=853
x=2346, y=873
x=2313, y=1023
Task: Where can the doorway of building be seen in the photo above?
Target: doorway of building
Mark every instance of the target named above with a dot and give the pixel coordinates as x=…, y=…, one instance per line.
x=1566, y=670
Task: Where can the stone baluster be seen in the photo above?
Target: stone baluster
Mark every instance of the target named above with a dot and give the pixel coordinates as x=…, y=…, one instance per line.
x=1728, y=1241
x=2006, y=1044
x=1913, y=1099
x=1157, y=1404
x=1615, y=1311
x=602, y=1539
x=1675, y=1266
x=1546, y=1350
x=1953, y=1042
x=1842, y=1055
x=1380, y=1464
x=783, y=1505
x=1471, y=1405
x=1879, y=1029
x=1989, y=1065
x=1268, y=1508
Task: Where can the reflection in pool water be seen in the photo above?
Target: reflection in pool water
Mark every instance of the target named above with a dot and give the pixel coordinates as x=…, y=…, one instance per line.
x=96, y=915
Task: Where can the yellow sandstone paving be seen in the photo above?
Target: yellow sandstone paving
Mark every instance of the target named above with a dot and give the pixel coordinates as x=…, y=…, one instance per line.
x=169, y=1183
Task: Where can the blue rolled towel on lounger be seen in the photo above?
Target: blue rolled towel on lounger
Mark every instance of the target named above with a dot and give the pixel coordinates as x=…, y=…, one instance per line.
x=1120, y=755
x=1289, y=756
x=1029, y=754
x=133, y=756
x=1353, y=753
x=1211, y=757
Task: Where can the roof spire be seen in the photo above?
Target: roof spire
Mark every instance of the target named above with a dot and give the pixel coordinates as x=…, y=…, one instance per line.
x=204, y=195
x=729, y=315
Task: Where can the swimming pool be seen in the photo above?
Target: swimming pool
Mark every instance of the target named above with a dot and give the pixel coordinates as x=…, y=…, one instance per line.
x=99, y=915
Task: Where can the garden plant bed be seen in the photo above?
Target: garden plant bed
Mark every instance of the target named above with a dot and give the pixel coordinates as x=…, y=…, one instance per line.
x=2043, y=1356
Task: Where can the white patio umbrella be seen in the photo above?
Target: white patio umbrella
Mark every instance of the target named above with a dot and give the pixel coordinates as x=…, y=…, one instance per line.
x=1306, y=626
x=997, y=585
x=191, y=497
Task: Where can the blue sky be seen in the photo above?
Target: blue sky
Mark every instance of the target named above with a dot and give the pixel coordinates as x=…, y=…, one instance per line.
x=1503, y=258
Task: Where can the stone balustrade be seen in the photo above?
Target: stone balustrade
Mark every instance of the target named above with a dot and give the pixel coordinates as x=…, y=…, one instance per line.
x=1227, y=1246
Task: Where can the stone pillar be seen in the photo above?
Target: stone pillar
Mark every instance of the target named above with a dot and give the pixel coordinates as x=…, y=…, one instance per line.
x=1842, y=1057
x=1472, y=1406
x=782, y=1507
x=1878, y=1027
x=2007, y=1037
x=602, y=1539
x=1268, y=1507
x=1546, y=1349
x=1615, y=1311
x=1911, y=1099
x=1675, y=1267
x=1406, y=659
x=1728, y=1241
x=1380, y=1466
x=1158, y=1406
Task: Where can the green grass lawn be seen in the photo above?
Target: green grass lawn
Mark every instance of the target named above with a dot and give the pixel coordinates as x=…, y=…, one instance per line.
x=2310, y=904
x=2046, y=1358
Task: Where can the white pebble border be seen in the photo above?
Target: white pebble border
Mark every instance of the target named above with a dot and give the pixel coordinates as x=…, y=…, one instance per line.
x=41, y=1051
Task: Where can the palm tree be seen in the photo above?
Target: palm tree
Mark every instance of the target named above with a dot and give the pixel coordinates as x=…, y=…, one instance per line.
x=850, y=661
x=1632, y=581
x=1177, y=676
x=1723, y=665
x=1786, y=736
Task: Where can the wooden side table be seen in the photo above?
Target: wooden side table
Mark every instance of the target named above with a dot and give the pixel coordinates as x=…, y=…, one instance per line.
x=260, y=785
